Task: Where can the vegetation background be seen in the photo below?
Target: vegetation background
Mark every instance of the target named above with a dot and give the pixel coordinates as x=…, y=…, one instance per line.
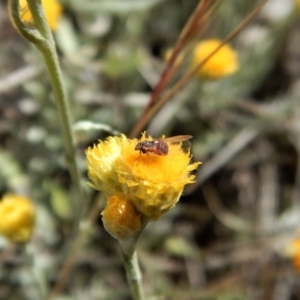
x=228, y=235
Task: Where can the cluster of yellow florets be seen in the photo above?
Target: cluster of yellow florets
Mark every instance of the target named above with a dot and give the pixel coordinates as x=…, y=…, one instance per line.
x=150, y=183
x=17, y=218
x=53, y=11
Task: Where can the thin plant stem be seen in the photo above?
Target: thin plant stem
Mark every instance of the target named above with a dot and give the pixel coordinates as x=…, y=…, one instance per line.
x=133, y=274
x=162, y=99
x=131, y=265
x=42, y=38
x=188, y=32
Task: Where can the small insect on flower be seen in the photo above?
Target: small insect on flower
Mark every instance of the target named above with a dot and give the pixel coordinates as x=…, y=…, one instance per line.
x=160, y=146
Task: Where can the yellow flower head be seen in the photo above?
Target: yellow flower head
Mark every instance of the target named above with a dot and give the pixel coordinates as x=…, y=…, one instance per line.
x=152, y=183
x=292, y=250
x=120, y=218
x=17, y=218
x=298, y=5
x=223, y=63
x=53, y=11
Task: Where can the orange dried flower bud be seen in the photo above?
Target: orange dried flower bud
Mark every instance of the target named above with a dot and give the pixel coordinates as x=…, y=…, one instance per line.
x=120, y=218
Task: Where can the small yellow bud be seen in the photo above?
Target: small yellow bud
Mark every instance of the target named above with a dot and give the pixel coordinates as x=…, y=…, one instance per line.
x=223, y=63
x=120, y=218
x=17, y=218
x=53, y=11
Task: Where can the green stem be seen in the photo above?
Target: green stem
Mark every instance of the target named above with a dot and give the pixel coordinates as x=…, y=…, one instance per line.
x=133, y=274
x=130, y=259
x=46, y=46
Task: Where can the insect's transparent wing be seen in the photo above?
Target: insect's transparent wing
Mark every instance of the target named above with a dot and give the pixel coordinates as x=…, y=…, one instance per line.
x=182, y=139
x=176, y=139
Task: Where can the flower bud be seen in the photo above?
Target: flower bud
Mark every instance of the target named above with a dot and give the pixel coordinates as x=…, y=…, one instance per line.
x=223, y=63
x=120, y=219
x=17, y=218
